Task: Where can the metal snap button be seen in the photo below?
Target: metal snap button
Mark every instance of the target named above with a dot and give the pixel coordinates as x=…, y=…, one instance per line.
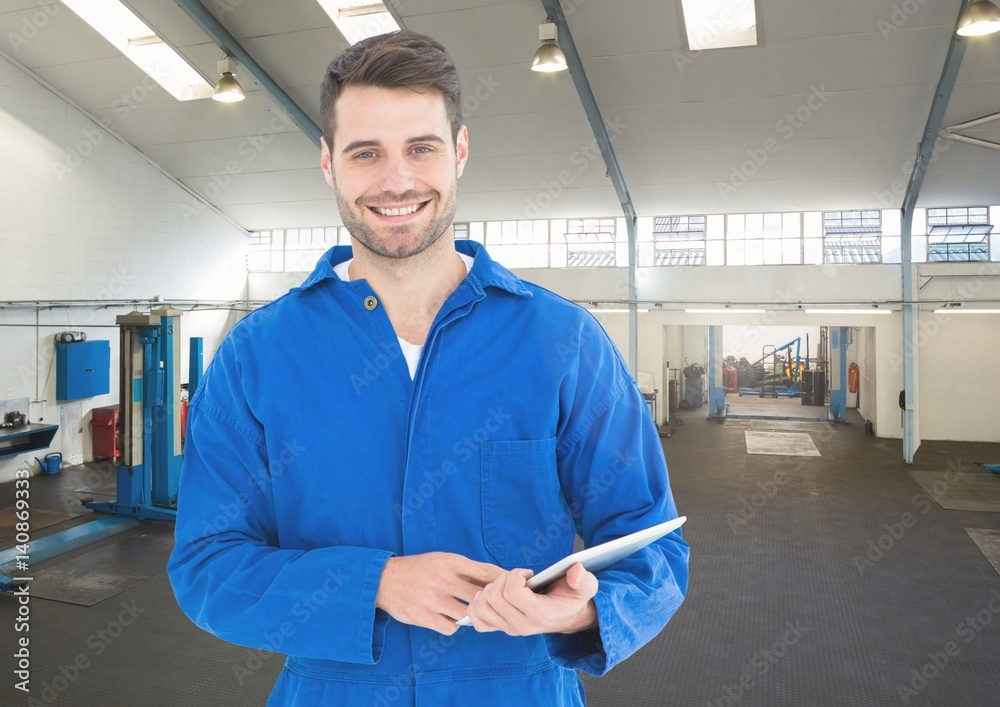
x=370, y=303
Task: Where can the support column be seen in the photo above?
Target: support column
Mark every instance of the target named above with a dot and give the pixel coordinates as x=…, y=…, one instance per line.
x=926, y=154
x=716, y=389
x=196, y=364
x=838, y=373
x=911, y=321
x=631, y=224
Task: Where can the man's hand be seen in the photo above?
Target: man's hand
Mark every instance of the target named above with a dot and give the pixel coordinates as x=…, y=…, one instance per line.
x=432, y=589
x=508, y=605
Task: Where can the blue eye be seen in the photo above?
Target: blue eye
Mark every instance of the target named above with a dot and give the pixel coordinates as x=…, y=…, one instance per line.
x=422, y=149
x=367, y=154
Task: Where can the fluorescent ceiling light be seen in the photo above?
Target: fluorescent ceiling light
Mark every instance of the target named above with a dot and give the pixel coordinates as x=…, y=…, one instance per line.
x=613, y=310
x=717, y=24
x=848, y=311
x=359, y=19
x=960, y=310
x=130, y=35
x=729, y=310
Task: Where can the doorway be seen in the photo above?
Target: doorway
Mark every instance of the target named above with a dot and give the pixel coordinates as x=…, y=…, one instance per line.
x=780, y=373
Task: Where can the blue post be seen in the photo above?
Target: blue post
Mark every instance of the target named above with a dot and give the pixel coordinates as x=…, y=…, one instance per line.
x=838, y=374
x=196, y=364
x=167, y=410
x=716, y=392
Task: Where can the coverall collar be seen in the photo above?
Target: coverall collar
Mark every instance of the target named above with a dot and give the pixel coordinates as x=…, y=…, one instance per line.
x=485, y=271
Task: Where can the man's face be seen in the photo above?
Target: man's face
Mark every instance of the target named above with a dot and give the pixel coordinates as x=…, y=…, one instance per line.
x=395, y=168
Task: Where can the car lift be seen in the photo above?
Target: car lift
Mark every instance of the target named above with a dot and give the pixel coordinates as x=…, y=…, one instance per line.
x=149, y=418
x=837, y=372
x=793, y=372
x=150, y=464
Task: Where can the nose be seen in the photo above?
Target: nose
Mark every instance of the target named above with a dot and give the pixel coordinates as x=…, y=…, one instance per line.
x=397, y=177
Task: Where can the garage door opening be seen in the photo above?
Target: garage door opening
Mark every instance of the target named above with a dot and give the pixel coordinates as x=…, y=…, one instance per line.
x=779, y=373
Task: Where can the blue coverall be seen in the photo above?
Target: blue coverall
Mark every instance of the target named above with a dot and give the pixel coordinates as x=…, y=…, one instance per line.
x=311, y=458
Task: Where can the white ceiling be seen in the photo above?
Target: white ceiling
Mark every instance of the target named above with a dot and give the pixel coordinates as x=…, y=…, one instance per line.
x=684, y=122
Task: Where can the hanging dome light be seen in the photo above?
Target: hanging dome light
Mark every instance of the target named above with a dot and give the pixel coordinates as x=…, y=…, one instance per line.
x=980, y=18
x=228, y=90
x=549, y=57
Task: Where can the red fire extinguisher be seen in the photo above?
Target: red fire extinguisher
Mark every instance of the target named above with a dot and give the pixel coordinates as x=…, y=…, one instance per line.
x=184, y=416
x=853, y=377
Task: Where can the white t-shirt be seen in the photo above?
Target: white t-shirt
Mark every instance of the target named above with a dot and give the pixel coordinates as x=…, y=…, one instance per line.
x=411, y=352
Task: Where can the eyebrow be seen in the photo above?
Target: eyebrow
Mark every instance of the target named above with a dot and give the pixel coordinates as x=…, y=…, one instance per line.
x=430, y=137
x=358, y=144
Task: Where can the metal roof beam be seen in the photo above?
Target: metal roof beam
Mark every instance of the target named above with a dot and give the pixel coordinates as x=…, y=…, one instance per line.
x=215, y=30
x=925, y=155
x=556, y=14
x=935, y=119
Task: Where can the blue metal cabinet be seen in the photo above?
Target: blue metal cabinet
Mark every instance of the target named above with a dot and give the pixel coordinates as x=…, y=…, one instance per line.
x=83, y=369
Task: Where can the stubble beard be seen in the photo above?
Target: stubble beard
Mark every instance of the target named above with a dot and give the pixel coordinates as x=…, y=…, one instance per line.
x=393, y=242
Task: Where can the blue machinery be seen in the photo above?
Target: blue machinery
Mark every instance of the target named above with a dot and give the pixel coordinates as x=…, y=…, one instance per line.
x=839, y=338
x=150, y=426
x=794, y=371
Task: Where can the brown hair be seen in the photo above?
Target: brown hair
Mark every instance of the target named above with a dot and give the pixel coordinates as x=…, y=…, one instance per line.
x=396, y=60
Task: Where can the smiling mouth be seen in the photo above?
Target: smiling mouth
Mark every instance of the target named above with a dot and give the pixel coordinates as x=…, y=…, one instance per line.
x=398, y=210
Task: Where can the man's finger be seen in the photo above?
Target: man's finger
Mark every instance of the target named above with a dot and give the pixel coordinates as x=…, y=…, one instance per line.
x=465, y=578
x=581, y=581
x=516, y=592
x=444, y=625
x=485, y=618
x=453, y=609
x=482, y=573
x=497, y=596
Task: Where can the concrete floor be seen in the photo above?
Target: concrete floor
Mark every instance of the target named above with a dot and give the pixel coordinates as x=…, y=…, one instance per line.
x=752, y=406
x=815, y=581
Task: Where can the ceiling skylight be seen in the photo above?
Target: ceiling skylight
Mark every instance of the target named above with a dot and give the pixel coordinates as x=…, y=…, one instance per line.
x=716, y=24
x=130, y=35
x=359, y=19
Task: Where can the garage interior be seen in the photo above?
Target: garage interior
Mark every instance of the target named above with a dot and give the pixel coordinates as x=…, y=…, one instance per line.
x=785, y=223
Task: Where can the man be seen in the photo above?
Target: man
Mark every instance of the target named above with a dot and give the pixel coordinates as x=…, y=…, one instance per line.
x=400, y=441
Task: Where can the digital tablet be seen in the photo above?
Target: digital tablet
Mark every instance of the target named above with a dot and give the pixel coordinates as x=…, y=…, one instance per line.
x=599, y=557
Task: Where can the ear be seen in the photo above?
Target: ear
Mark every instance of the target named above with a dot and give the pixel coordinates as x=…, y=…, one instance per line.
x=326, y=163
x=461, y=150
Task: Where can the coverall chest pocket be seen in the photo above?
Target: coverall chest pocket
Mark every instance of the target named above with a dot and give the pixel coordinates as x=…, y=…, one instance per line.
x=526, y=521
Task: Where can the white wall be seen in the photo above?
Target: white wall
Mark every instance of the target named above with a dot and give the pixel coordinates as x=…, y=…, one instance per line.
x=84, y=216
x=790, y=286
x=959, y=383
x=867, y=363
x=775, y=284
x=694, y=286
x=266, y=286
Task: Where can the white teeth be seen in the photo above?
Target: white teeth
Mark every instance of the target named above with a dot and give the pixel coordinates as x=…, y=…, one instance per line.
x=397, y=212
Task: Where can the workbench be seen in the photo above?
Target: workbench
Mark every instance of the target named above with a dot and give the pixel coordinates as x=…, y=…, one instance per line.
x=18, y=440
